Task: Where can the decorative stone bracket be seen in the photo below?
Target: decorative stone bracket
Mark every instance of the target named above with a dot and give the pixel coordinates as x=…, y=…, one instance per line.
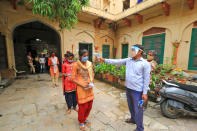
x=139, y=18
x=191, y=4
x=99, y=22
x=127, y=22
x=166, y=8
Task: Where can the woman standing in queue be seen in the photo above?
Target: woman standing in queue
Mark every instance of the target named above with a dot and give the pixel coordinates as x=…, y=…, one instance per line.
x=69, y=88
x=83, y=76
x=54, y=71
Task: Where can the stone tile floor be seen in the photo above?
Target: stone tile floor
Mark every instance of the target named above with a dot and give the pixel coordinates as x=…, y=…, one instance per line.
x=30, y=104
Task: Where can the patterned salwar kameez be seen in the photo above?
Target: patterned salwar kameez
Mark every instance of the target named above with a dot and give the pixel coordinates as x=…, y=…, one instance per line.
x=82, y=74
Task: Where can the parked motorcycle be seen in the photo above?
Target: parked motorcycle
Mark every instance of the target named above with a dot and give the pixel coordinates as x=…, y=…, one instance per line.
x=178, y=99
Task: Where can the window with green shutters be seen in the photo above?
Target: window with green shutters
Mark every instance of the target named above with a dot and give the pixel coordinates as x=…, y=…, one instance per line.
x=193, y=51
x=106, y=51
x=155, y=42
x=124, y=50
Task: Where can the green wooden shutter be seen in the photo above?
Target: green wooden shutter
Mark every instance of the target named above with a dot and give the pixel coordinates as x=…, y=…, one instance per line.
x=193, y=51
x=106, y=51
x=155, y=42
x=124, y=50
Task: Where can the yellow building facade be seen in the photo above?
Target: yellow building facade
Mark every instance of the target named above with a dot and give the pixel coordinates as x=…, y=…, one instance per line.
x=109, y=27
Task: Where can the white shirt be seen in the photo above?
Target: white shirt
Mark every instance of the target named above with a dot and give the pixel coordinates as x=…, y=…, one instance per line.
x=42, y=60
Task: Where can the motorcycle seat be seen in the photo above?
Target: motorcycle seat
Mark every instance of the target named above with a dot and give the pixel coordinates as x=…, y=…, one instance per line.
x=186, y=87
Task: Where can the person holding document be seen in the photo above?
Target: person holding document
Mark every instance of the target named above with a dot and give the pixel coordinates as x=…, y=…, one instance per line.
x=137, y=83
x=83, y=76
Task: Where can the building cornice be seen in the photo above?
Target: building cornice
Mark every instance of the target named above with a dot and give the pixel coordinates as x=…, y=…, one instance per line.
x=131, y=11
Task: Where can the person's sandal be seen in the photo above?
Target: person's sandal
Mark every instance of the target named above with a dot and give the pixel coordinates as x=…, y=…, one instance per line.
x=87, y=123
x=68, y=111
x=129, y=121
x=76, y=109
x=82, y=127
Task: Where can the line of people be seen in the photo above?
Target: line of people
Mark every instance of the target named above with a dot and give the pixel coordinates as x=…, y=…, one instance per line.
x=78, y=79
x=38, y=64
x=78, y=82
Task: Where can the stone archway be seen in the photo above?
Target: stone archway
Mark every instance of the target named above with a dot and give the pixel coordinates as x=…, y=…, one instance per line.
x=35, y=37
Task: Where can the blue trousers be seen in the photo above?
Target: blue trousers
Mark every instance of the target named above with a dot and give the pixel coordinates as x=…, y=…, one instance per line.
x=133, y=97
x=71, y=99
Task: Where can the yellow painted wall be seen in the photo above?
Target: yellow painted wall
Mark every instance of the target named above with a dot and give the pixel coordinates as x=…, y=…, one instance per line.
x=178, y=28
x=82, y=33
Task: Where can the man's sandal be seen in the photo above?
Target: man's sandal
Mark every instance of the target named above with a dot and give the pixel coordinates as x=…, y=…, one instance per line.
x=87, y=123
x=130, y=121
x=82, y=127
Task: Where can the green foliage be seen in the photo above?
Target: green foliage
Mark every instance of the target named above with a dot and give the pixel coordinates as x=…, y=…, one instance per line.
x=111, y=69
x=104, y=68
x=122, y=71
x=63, y=11
x=163, y=68
x=159, y=73
x=155, y=82
x=97, y=69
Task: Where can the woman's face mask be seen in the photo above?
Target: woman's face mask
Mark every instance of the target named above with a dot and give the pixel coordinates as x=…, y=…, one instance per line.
x=84, y=59
x=70, y=61
x=134, y=51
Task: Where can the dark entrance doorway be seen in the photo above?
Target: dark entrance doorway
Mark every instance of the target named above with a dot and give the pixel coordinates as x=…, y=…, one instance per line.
x=87, y=47
x=3, y=53
x=35, y=37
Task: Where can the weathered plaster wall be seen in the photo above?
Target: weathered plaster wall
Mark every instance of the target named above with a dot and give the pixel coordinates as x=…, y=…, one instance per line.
x=178, y=28
x=83, y=32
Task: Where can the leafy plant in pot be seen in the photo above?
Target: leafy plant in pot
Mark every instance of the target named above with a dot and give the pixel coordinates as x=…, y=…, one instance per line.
x=110, y=72
x=122, y=73
x=115, y=74
x=103, y=70
x=97, y=70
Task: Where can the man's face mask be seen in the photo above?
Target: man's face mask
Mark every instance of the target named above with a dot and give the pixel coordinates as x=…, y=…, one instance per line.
x=150, y=58
x=134, y=51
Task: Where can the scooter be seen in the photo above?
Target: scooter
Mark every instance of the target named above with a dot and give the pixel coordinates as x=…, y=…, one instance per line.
x=178, y=99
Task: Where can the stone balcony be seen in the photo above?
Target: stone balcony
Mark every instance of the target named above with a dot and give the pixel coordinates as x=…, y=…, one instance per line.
x=123, y=14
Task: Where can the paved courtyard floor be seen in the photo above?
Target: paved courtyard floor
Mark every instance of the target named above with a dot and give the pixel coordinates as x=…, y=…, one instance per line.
x=30, y=104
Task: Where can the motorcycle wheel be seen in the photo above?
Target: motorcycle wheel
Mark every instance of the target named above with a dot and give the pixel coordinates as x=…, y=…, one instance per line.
x=169, y=111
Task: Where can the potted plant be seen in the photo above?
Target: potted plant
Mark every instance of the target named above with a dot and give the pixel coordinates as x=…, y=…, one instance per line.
x=122, y=73
x=103, y=70
x=97, y=70
x=115, y=75
x=110, y=72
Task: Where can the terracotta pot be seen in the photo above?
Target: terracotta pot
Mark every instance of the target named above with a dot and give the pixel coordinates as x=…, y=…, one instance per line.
x=110, y=77
x=103, y=76
x=99, y=75
x=181, y=81
x=115, y=79
x=122, y=82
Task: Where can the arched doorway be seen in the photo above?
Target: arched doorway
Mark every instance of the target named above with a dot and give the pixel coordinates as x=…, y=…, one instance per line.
x=35, y=37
